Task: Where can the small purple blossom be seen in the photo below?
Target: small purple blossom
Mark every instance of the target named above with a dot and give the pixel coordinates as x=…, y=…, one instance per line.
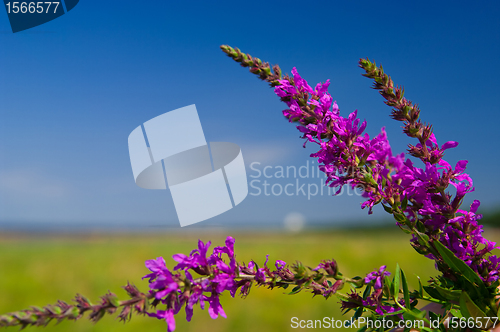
x=330, y=267
x=378, y=276
x=280, y=264
x=168, y=316
x=215, y=309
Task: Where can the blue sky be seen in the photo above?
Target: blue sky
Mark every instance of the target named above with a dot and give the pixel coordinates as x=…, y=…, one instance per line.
x=73, y=89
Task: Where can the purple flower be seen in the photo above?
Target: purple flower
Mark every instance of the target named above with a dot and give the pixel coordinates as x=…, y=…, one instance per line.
x=280, y=264
x=378, y=276
x=168, y=315
x=197, y=259
x=215, y=308
x=185, y=262
x=157, y=266
x=251, y=265
x=330, y=267
x=228, y=249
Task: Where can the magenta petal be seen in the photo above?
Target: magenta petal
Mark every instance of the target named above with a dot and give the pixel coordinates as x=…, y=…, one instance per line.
x=179, y=257
x=169, y=317
x=280, y=264
x=212, y=313
x=189, y=313
x=448, y=145
x=460, y=166
x=378, y=283
x=156, y=264
x=303, y=129
x=474, y=206
x=215, y=308
x=432, y=138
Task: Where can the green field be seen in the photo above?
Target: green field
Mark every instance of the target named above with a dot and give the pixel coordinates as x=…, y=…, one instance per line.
x=38, y=270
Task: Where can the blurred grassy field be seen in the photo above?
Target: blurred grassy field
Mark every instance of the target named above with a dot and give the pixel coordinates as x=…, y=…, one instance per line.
x=38, y=270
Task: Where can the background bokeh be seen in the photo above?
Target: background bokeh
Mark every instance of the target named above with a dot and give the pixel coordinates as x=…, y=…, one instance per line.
x=43, y=269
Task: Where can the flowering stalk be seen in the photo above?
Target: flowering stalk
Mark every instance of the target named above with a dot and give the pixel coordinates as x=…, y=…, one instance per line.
x=109, y=304
x=220, y=272
x=431, y=210
x=173, y=289
x=416, y=197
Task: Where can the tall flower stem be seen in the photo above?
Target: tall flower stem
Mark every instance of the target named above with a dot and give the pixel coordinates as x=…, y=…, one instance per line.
x=36, y=316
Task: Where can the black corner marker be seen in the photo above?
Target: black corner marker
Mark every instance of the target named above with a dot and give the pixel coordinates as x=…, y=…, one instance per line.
x=25, y=15
x=70, y=4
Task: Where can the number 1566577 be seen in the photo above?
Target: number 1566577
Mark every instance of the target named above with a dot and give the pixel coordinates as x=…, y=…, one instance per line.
x=31, y=7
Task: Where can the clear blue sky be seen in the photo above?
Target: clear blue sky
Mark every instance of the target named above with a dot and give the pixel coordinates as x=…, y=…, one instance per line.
x=73, y=89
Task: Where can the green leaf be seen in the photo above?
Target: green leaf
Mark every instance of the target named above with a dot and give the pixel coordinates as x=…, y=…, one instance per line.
x=449, y=294
x=420, y=290
x=113, y=299
x=456, y=313
x=307, y=283
x=56, y=310
x=363, y=329
x=295, y=290
x=356, y=282
x=343, y=297
x=459, y=266
x=405, y=290
x=358, y=313
x=419, y=314
x=387, y=289
x=405, y=229
x=469, y=308
x=414, y=314
x=428, y=329
x=423, y=238
x=420, y=226
x=434, y=293
x=433, y=316
x=404, y=204
x=387, y=209
x=73, y=312
x=399, y=217
x=396, y=282
x=367, y=292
